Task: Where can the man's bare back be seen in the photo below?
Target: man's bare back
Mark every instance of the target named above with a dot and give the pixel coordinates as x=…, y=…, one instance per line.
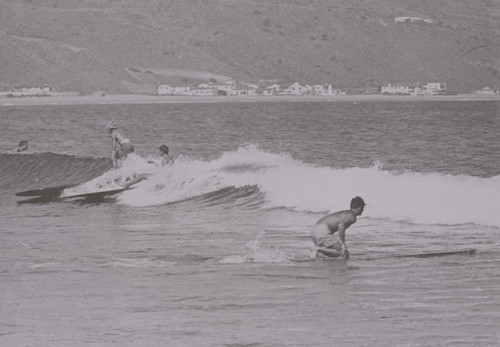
x=342, y=218
x=337, y=222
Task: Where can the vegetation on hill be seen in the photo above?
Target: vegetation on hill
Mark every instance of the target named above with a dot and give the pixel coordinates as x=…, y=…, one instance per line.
x=128, y=46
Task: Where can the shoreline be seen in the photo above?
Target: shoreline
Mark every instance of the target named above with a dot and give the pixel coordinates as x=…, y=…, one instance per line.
x=168, y=99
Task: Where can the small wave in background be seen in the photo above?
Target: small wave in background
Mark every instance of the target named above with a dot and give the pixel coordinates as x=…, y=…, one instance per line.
x=39, y=170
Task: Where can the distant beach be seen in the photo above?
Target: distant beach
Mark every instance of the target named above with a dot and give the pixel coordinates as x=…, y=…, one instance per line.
x=159, y=99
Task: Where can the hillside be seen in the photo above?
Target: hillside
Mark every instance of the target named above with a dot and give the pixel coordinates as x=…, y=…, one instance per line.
x=126, y=46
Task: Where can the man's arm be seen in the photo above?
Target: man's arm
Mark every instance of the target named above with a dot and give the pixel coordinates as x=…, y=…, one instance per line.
x=344, y=254
x=341, y=231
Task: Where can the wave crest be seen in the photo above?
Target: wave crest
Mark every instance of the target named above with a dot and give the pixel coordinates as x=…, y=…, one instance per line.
x=279, y=181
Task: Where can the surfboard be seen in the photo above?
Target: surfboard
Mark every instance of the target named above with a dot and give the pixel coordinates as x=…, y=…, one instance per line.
x=56, y=191
x=438, y=254
x=46, y=192
x=471, y=251
x=92, y=196
x=95, y=195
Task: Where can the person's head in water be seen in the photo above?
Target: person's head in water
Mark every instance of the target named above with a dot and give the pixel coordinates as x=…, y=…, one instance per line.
x=164, y=149
x=22, y=146
x=358, y=203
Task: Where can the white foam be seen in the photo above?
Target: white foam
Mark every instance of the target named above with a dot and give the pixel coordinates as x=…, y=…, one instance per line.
x=431, y=198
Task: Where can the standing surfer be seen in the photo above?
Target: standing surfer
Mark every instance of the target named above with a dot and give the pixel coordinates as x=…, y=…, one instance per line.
x=121, y=145
x=323, y=232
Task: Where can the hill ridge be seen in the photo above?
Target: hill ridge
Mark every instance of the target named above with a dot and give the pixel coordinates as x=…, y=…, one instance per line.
x=121, y=46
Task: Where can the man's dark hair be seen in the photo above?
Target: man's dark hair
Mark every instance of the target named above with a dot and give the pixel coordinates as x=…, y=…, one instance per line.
x=357, y=202
x=164, y=149
x=22, y=146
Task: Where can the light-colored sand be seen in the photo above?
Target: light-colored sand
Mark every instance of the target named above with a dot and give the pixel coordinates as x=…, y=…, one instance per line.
x=152, y=99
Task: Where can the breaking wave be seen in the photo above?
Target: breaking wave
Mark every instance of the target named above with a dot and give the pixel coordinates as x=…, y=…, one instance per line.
x=251, y=177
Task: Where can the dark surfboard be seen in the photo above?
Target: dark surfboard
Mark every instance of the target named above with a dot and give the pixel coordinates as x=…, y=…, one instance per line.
x=46, y=192
x=438, y=254
x=90, y=197
x=428, y=255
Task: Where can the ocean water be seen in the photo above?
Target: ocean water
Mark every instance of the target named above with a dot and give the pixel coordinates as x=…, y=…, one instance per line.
x=214, y=250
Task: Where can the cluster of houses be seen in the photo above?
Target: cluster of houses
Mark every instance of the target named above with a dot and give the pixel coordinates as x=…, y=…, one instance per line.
x=414, y=89
x=232, y=88
x=35, y=91
x=265, y=88
x=413, y=20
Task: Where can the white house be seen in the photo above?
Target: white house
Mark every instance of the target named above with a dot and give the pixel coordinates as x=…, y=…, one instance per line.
x=166, y=89
x=226, y=88
x=401, y=89
x=246, y=92
x=36, y=91
x=326, y=90
x=319, y=89
x=434, y=88
x=273, y=89
x=206, y=85
x=413, y=20
x=486, y=91
x=45, y=90
x=295, y=89
x=30, y=91
x=204, y=92
x=401, y=19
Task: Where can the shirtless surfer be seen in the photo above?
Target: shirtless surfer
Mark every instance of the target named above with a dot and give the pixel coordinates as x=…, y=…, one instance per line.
x=163, y=157
x=166, y=159
x=121, y=145
x=323, y=232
